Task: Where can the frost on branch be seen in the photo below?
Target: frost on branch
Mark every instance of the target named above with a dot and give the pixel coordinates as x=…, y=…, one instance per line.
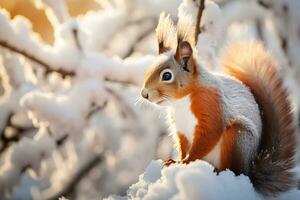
x=15, y=83
x=17, y=36
x=55, y=10
x=26, y=154
x=64, y=112
x=207, y=17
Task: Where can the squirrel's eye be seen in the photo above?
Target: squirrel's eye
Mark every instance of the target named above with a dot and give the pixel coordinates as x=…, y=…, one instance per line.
x=167, y=75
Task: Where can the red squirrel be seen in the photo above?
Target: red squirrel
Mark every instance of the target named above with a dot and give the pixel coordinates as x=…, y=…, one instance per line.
x=241, y=120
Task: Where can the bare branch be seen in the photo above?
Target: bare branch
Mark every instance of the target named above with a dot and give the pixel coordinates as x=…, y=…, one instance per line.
x=198, y=22
x=48, y=68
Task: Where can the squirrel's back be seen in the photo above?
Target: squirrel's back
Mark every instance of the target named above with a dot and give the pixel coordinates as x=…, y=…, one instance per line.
x=271, y=172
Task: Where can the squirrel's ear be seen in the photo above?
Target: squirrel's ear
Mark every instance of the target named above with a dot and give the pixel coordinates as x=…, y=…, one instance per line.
x=165, y=33
x=184, y=56
x=162, y=48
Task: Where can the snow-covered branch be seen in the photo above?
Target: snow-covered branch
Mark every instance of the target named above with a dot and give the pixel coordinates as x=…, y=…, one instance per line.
x=56, y=10
x=68, y=189
x=198, y=19
x=48, y=68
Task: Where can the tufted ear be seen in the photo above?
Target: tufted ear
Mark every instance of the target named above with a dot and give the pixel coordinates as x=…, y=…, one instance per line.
x=165, y=33
x=162, y=48
x=184, y=56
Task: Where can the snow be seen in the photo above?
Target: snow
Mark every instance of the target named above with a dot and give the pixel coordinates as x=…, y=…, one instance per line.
x=26, y=154
x=194, y=181
x=211, y=27
x=59, y=110
x=18, y=34
x=55, y=10
x=112, y=19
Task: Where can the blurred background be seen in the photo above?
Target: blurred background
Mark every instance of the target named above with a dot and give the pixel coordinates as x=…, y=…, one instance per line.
x=38, y=18
x=71, y=120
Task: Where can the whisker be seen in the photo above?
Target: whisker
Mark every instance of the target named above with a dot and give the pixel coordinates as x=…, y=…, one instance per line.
x=166, y=97
x=138, y=101
x=143, y=103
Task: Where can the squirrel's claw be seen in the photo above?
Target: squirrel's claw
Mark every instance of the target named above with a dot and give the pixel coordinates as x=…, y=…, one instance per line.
x=186, y=160
x=168, y=162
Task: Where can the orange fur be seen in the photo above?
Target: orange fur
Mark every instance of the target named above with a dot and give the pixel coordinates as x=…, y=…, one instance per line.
x=271, y=172
x=206, y=106
x=228, y=141
x=183, y=145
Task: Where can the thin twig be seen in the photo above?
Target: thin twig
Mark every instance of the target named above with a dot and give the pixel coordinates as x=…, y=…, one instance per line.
x=123, y=82
x=283, y=40
x=7, y=141
x=264, y=4
x=7, y=121
x=95, y=109
x=77, y=178
x=124, y=26
x=60, y=141
x=76, y=38
x=198, y=22
x=47, y=66
x=259, y=29
x=146, y=33
x=126, y=110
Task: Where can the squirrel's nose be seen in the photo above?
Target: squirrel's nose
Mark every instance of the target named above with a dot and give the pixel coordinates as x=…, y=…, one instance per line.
x=145, y=94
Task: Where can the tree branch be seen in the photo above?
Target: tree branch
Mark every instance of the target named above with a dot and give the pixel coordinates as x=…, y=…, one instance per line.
x=6, y=141
x=69, y=189
x=198, y=22
x=75, y=34
x=126, y=110
x=123, y=82
x=95, y=109
x=259, y=29
x=264, y=4
x=146, y=33
x=48, y=68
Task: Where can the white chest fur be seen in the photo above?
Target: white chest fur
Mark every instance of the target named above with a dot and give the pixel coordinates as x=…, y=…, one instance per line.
x=184, y=119
x=184, y=122
x=214, y=156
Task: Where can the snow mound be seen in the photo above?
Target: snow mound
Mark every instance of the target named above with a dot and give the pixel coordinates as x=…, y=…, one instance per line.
x=194, y=181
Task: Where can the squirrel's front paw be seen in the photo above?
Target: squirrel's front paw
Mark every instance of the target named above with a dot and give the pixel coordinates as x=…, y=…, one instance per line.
x=168, y=162
x=185, y=161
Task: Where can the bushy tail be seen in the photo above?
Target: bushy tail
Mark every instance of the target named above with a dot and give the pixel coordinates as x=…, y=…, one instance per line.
x=271, y=171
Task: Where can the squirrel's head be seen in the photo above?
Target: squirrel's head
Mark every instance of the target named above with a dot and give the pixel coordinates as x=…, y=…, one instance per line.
x=174, y=73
